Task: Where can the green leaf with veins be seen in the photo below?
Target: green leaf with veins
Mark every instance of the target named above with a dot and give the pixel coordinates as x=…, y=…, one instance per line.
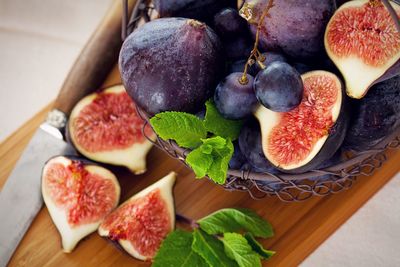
x=232, y=220
x=218, y=125
x=185, y=129
x=211, y=158
x=257, y=247
x=176, y=251
x=237, y=248
x=211, y=249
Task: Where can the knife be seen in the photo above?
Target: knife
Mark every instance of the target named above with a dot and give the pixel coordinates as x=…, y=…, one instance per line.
x=20, y=198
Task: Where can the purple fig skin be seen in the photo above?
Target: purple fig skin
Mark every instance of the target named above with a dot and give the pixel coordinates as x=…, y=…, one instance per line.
x=295, y=27
x=171, y=64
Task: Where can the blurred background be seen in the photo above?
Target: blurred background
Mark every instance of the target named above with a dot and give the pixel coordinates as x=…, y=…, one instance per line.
x=39, y=41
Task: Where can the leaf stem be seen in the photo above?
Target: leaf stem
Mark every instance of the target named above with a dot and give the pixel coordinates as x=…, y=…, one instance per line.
x=193, y=224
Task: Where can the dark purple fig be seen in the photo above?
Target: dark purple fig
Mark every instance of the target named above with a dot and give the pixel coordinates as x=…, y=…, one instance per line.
x=295, y=27
x=203, y=10
x=375, y=116
x=171, y=64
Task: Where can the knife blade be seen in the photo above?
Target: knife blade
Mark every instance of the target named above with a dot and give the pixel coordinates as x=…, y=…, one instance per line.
x=20, y=197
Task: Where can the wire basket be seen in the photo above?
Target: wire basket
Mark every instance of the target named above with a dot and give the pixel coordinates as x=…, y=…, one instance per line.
x=287, y=187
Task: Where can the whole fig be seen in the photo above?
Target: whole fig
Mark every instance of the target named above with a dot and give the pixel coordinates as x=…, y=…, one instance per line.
x=171, y=64
x=295, y=27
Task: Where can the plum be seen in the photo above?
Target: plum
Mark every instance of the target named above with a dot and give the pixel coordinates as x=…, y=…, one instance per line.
x=171, y=64
x=295, y=27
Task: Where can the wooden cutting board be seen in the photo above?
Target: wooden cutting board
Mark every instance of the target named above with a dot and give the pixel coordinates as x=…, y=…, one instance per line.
x=300, y=227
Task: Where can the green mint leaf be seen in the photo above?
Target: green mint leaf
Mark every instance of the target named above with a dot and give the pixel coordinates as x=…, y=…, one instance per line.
x=257, y=247
x=237, y=248
x=211, y=249
x=199, y=161
x=233, y=220
x=220, y=126
x=176, y=251
x=219, y=167
x=186, y=129
x=211, y=158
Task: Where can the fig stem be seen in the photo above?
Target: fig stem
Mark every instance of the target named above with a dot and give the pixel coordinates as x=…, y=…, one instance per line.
x=193, y=224
x=255, y=53
x=392, y=13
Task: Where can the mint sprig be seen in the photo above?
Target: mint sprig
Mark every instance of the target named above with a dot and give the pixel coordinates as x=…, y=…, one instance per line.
x=232, y=220
x=228, y=248
x=210, y=139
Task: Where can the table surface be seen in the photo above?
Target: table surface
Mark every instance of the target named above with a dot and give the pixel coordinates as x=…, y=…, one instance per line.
x=300, y=227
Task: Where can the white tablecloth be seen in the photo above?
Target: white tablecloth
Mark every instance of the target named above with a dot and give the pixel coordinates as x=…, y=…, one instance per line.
x=39, y=41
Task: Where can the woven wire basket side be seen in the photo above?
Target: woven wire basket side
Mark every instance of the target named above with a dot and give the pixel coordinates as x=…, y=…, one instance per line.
x=287, y=187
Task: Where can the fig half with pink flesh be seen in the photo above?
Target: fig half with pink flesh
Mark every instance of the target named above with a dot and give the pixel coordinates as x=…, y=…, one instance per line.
x=362, y=40
x=78, y=196
x=141, y=223
x=301, y=139
x=105, y=127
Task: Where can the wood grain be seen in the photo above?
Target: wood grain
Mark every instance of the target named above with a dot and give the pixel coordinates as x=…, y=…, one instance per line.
x=300, y=227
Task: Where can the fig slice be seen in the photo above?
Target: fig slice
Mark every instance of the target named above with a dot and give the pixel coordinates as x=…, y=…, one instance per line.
x=301, y=139
x=105, y=127
x=142, y=222
x=362, y=40
x=78, y=196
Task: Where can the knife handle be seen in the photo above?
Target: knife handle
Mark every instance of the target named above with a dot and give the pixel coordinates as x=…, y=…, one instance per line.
x=95, y=61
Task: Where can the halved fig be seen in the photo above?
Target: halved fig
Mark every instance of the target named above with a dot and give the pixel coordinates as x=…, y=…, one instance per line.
x=105, y=127
x=362, y=40
x=141, y=223
x=301, y=139
x=78, y=196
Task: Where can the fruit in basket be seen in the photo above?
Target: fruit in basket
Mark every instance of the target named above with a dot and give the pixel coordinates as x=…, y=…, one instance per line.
x=141, y=223
x=233, y=99
x=268, y=58
x=279, y=87
x=237, y=48
x=78, y=196
x=362, y=40
x=250, y=143
x=171, y=64
x=238, y=159
x=375, y=116
x=228, y=23
x=105, y=127
x=203, y=10
x=301, y=139
x=295, y=27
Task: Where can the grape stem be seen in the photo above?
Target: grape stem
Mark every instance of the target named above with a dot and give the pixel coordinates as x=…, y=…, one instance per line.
x=255, y=53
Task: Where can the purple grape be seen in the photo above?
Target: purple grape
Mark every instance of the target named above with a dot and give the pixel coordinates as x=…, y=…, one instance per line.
x=233, y=99
x=279, y=87
x=250, y=144
x=269, y=58
x=228, y=22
